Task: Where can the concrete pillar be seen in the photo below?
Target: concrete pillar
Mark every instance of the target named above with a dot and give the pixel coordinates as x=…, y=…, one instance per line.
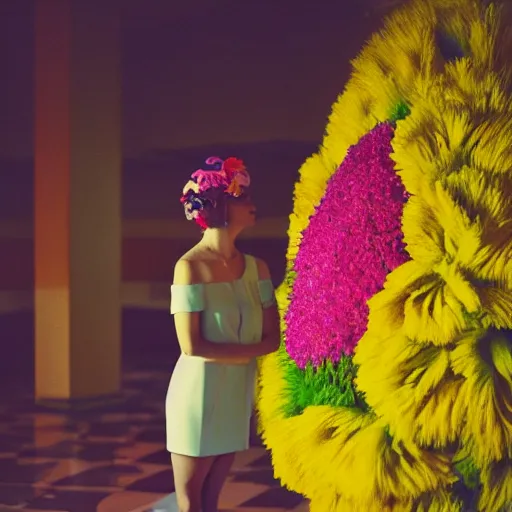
x=77, y=199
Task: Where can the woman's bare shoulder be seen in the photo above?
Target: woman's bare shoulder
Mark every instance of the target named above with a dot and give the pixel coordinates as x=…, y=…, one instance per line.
x=263, y=270
x=192, y=267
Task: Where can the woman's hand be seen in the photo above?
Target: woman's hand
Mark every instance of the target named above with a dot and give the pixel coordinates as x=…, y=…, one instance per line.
x=238, y=362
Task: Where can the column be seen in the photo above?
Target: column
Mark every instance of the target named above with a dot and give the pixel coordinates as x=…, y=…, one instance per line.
x=77, y=231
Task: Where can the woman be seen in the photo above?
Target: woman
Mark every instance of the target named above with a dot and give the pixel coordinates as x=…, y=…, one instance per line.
x=225, y=317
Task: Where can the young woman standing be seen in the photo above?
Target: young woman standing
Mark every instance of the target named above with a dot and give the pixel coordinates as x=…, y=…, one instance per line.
x=225, y=317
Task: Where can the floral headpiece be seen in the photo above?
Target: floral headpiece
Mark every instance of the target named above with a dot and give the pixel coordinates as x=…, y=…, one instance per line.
x=228, y=177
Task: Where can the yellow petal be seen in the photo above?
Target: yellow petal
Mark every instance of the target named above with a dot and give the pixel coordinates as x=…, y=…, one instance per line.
x=496, y=481
x=484, y=359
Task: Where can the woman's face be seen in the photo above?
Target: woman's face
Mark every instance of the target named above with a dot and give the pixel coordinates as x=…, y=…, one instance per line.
x=241, y=212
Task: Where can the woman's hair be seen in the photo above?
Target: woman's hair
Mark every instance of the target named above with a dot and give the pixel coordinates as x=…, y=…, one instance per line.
x=206, y=194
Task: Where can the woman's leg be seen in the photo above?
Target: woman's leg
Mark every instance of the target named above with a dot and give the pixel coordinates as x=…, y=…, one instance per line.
x=215, y=480
x=189, y=476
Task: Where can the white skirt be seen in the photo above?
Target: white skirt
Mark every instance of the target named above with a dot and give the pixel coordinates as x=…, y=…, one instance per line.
x=208, y=407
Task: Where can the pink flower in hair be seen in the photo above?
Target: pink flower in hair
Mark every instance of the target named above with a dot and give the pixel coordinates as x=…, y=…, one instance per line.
x=209, y=179
x=231, y=174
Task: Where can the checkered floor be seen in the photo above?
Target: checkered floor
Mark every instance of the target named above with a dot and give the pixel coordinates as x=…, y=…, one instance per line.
x=114, y=461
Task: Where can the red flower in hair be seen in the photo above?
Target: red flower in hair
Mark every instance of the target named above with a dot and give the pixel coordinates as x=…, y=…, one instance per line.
x=232, y=166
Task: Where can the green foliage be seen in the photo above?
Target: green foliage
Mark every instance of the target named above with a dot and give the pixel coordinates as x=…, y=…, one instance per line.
x=469, y=472
x=329, y=384
x=400, y=111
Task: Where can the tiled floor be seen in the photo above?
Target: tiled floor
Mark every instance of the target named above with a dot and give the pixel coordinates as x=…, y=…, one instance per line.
x=113, y=461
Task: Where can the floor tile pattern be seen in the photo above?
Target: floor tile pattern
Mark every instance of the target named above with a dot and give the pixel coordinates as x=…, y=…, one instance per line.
x=113, y=460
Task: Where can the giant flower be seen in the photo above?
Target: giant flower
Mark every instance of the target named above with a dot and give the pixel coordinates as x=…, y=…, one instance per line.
x=392, y=389
x=355, y=227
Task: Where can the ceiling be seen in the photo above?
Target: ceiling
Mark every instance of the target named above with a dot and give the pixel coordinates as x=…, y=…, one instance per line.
x=147, y=13
x=138, y=13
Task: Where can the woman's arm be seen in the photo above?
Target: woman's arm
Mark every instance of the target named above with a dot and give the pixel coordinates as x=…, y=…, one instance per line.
x=271, y=334
x=188, y=330
x=193, y=344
